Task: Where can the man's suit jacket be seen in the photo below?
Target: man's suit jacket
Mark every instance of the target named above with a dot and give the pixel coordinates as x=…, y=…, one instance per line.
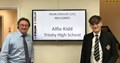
x=108, y=45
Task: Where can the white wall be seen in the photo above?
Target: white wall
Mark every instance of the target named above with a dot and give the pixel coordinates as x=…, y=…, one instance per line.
x=55, y=51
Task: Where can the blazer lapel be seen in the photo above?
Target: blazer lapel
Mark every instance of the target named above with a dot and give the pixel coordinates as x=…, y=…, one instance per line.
x=90, y=41
x=103, y=40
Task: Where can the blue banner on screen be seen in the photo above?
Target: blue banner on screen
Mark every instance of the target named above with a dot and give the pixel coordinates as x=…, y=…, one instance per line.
x=65, y=24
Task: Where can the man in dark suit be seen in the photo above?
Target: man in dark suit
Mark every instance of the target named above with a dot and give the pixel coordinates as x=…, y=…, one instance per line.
x=101, y=50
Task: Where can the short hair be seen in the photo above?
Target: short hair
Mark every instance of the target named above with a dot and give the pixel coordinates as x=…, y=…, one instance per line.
x=94, y=19
x=23, y=18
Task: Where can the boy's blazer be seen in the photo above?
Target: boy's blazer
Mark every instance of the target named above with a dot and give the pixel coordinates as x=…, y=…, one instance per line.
x=108, y=45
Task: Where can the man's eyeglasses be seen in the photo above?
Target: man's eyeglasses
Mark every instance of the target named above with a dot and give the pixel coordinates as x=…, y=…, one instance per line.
x=22, y=25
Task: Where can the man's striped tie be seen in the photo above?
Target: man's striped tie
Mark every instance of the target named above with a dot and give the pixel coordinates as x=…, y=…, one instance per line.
x=26, y=50
x=96, y=49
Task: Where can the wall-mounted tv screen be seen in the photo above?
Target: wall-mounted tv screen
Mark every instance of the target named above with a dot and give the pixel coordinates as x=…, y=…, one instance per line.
x=58, y=24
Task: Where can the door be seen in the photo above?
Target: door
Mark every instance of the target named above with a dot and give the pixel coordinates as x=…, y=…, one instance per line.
x=0, y=31
x=8, y=23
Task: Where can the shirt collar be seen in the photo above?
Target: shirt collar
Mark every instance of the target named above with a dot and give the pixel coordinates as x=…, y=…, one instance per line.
x=97, y=34
x=20, y=34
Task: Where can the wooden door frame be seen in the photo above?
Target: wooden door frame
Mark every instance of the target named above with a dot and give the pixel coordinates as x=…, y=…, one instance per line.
x=1, y=19
x=8, y=8
x=11, y=7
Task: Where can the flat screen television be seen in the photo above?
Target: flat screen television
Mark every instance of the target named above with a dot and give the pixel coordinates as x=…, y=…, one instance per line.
x=58, y=24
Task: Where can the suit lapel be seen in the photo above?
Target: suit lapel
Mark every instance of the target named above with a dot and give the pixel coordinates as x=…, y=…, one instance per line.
x=90, y=41
x=103, y=40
